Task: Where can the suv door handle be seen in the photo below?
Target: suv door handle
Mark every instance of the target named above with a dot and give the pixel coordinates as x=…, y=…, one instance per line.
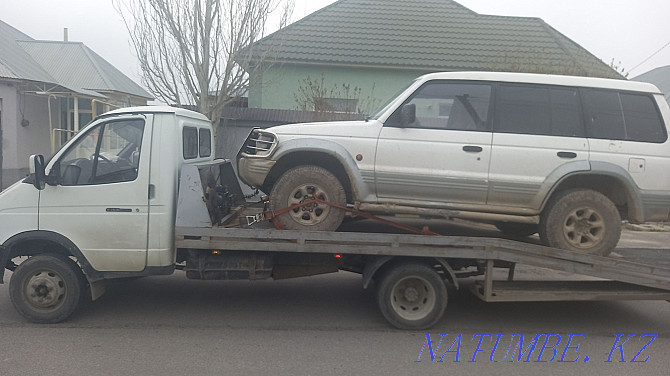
x=472, y=149
x=566, y=154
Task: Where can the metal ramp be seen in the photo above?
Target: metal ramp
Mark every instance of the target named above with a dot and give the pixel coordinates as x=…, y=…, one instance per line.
x=536, y=291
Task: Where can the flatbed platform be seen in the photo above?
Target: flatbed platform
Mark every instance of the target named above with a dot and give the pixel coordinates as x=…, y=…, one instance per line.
x=650, y=280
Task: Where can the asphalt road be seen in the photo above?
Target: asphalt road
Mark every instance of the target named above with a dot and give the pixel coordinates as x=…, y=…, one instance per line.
x=324, y=325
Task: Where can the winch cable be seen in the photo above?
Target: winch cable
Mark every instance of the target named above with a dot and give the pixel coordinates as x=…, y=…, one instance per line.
x=273, y=214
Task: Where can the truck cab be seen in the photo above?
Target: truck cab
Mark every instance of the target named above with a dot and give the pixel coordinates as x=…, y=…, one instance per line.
x=108, y=197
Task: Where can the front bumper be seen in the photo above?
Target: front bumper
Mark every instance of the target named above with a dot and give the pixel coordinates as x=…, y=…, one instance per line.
x=253, y=171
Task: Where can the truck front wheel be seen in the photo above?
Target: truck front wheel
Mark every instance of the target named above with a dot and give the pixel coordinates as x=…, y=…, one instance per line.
x=412, y=296
x=46, y=289
x=303, y=184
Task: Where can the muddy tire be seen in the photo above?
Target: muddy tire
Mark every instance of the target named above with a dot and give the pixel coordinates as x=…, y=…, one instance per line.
x=47, y=289
x=517, y=229
x=581, y=220
x=304, y=183
x=411, y=296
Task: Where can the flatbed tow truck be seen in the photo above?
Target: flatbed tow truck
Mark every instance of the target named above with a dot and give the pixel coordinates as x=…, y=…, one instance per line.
x=393, y=253
x=197, y=220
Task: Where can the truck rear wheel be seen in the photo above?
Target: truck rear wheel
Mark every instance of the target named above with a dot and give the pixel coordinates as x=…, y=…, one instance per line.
x=412, y=296
x=302, y=184
x=46, y=289
x=581, y=220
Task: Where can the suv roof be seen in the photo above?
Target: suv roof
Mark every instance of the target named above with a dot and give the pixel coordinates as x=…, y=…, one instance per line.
x=549, y=79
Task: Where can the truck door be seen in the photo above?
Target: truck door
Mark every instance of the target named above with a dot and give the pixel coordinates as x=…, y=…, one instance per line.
x=100, y=201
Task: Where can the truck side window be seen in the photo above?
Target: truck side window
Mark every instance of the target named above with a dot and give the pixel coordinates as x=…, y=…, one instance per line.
x=205, y=137
x=447, y=105
x=107, y=153
x=190, y=139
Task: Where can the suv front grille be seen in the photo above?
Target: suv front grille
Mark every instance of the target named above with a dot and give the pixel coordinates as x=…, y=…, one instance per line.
x=259, y=143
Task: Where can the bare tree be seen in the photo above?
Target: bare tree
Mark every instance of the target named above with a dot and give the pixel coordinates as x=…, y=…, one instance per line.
x=316, y=96
x=192, y=52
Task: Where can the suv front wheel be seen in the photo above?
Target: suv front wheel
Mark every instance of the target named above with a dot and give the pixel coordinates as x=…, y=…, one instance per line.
x=581, y=220
x=299, y=186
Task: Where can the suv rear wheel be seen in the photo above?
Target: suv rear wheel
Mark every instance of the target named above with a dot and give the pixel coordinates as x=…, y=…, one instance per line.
x=581, y=220
x=302, y=184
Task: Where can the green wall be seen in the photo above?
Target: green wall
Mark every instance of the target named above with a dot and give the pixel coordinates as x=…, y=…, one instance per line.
x=278, y=85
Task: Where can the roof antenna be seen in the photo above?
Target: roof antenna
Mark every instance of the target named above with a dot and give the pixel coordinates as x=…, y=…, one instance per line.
x=65, y=38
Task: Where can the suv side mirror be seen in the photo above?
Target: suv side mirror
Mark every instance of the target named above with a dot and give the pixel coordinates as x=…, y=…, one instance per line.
x=407, y=115
x=36, y=168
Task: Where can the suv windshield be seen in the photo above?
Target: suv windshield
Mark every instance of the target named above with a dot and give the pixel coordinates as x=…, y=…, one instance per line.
x=386, y=105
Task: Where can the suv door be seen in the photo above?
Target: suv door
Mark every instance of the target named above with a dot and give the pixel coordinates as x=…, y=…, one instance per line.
x=101, y=201
x=443, y=156
x=538, y=137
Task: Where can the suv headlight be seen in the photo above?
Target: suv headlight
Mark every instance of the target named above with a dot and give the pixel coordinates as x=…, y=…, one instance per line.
x=259, y=143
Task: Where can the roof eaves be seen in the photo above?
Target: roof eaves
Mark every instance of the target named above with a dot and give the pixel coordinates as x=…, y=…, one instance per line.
x=97, y=67
x=466, y=8
x=297, y=23
x=561, y=39
x=6, y=71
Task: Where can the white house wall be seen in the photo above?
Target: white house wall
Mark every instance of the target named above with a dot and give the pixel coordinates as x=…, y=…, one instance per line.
x=19, y=142
x=9, y=147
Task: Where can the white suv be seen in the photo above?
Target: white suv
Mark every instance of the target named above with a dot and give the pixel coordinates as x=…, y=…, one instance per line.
x=568, y=157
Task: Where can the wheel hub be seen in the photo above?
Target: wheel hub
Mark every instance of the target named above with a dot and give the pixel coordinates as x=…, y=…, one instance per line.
x=584, y=228
x=413, y=298
x=312, y=213
x=411, y=295
x=45, y=289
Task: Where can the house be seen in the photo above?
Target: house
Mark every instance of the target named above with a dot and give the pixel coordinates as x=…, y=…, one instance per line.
x=660, y=77
x=48, y=91
x=355, y=54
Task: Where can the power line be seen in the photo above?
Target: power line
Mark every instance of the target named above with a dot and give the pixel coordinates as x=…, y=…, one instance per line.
x=652, y=55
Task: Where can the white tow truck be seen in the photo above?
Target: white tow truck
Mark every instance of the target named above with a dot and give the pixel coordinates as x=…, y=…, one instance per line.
x=139, y=193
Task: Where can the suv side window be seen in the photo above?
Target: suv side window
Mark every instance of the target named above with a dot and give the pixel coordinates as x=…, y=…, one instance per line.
x=107, y=153
x=642, y=119
x=448, y=105
x=538, y=110
x=622, y=116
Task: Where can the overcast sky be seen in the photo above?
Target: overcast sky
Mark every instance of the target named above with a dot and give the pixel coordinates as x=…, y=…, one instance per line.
x=623, y=30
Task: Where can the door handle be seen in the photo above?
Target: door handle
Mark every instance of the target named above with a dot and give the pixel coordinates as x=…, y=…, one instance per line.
x=566, y=154
x=472, y=149
x=119, y=210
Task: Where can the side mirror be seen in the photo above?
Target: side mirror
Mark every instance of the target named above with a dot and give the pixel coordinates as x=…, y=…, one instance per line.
x=36, y=168
x=407, y=115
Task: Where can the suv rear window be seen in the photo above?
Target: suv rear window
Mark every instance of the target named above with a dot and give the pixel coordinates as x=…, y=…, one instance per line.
x=622, y=116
